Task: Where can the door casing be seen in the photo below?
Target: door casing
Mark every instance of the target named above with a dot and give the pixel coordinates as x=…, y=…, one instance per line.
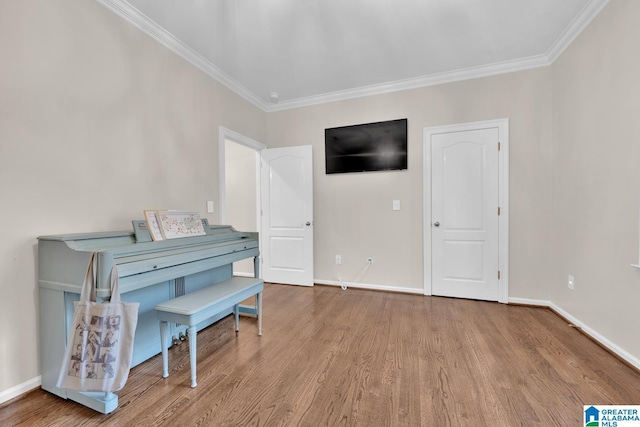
x=228, y=134
x=225, y=134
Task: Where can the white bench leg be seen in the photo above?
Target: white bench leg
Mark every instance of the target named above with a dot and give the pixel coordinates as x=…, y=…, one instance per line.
x=236, y=312
x=259, y=301
x=165, y=353
x=192, y=353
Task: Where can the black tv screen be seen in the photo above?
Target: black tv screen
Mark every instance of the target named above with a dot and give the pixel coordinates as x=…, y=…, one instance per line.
x=368, y=147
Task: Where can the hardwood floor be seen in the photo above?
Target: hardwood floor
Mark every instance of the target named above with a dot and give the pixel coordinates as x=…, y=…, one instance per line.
x=365, y=358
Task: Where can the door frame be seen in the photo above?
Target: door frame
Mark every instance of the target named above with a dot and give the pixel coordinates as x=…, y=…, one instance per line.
x=503, y=199
x=228, y=134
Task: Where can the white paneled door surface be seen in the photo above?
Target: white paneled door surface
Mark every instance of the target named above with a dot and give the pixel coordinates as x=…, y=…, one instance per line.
x=464, y=214
x=287, y=215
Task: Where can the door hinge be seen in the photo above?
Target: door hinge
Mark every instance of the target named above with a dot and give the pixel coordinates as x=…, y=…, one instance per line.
x=498, y=274
x=498, y=210
x=498, y=145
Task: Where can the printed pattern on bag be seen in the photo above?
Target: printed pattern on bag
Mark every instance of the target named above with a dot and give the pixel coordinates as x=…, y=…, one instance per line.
x=100, y=339
x=95, y=345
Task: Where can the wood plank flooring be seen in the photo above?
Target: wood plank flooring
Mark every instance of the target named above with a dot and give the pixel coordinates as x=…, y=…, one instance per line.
x=362, y=358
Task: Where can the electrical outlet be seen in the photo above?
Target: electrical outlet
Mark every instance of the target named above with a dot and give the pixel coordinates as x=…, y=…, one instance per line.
x=338, y=259
x=571, y=282
x=369, y=261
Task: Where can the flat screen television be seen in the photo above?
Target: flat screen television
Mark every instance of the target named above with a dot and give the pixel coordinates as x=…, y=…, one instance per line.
x=379, y=146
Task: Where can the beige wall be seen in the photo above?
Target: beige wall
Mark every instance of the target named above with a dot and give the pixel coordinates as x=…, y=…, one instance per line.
x=353, y=212
x=596, y=176
x=97, y=122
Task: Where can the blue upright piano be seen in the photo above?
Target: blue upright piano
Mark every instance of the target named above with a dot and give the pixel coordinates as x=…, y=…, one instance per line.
x=149, y=272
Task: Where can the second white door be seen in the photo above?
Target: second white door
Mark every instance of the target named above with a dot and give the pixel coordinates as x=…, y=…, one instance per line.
x=287, y=215
x=464, y=214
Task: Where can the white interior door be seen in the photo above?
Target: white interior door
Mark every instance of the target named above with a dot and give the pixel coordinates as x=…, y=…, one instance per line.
x=287, y=215
x=464, y=214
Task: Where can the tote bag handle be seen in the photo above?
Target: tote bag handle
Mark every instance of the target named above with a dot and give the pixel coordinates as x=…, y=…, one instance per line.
x=88, y=292
x=115, y=288
x=89, y=286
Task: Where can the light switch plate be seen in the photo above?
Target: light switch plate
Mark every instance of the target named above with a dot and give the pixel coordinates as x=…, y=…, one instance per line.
x=210, y=206
x=396, y=205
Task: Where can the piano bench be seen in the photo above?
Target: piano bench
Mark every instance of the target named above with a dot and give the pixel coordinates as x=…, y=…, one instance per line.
x=200, y=305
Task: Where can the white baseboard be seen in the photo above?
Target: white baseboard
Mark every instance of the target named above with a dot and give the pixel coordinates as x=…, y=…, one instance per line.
x=590, y=332
x=525, y=301
x=372, y=287
x=16, y=391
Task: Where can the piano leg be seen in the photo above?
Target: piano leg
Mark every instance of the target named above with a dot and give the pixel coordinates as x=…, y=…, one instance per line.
x=256, y=266
x=96, y=400
x=165, y=353
x=192, y=353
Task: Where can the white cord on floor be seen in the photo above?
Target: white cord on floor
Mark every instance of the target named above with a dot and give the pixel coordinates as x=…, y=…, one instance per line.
x=343, y=285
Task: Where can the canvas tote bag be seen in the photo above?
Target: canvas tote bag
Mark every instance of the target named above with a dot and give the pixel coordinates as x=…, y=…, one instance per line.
x=100, y=340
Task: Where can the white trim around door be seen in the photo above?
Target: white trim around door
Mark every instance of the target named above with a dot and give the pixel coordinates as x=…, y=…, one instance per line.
x=228, y=134
x=503, y=181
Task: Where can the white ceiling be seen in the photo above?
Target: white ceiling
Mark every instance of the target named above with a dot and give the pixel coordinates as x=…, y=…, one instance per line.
x=311, y=51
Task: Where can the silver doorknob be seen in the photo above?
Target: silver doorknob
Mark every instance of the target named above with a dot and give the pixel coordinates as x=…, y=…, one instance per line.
x=308, y=224
x=436, y=224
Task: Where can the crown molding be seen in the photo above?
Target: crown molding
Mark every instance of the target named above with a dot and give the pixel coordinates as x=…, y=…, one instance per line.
x=141, y=21
x=418, y=82
x=577, y=26
x=155, y=31
x=580, y=22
